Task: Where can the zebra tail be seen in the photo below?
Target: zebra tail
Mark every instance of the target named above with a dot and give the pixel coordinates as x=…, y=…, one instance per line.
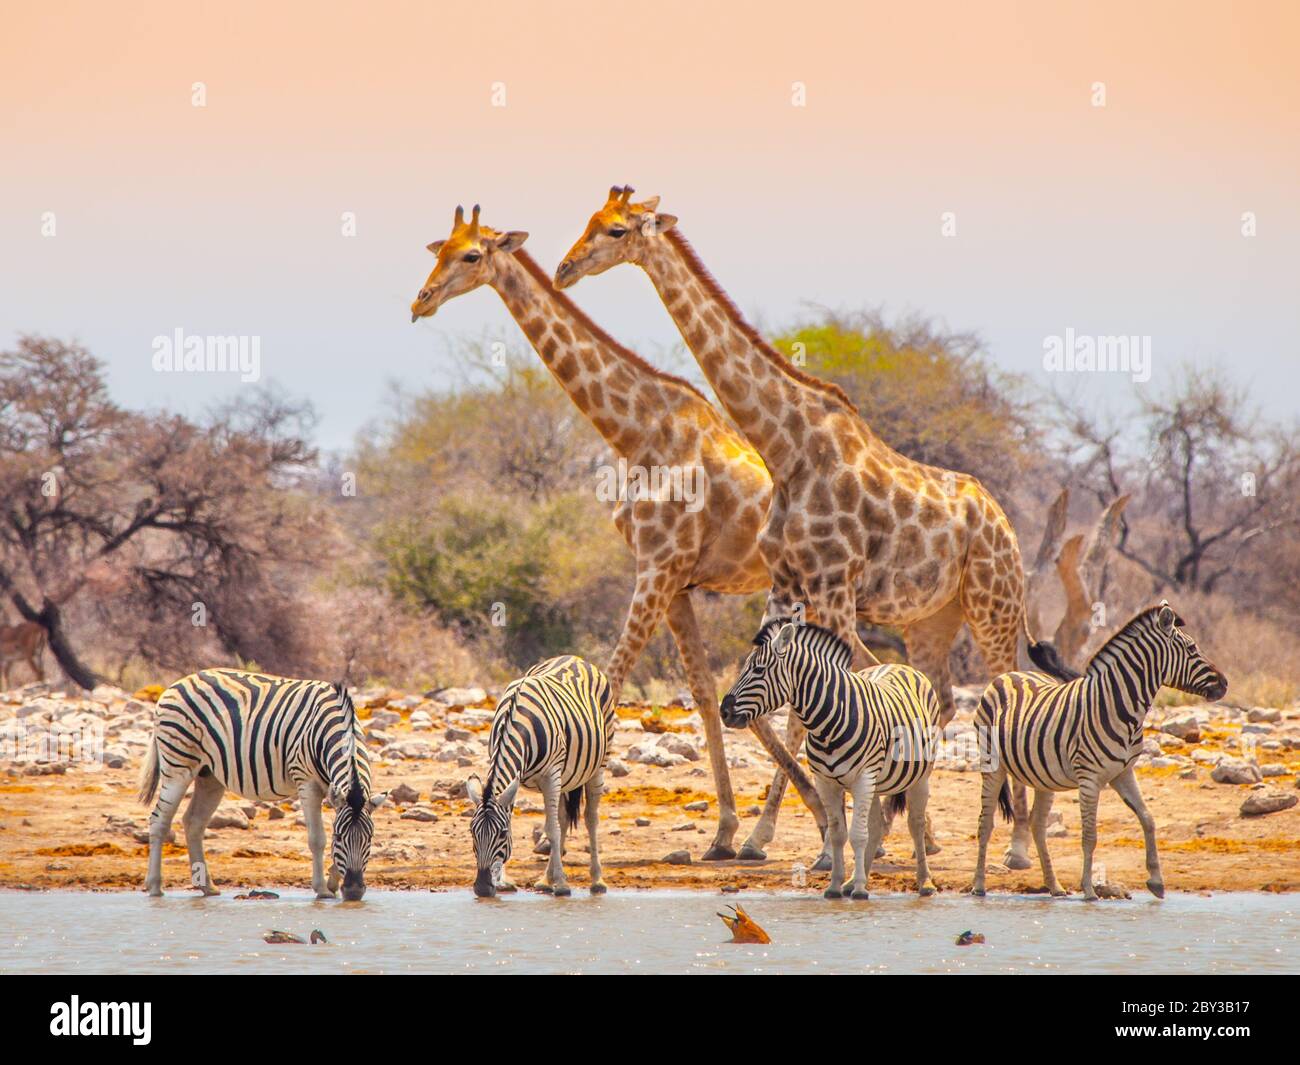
x=1004, y=800
x=896, y=804
x=150, y=773
x=572, y=807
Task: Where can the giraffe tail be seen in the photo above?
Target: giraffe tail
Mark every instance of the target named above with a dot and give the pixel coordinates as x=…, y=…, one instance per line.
x=1045, y=655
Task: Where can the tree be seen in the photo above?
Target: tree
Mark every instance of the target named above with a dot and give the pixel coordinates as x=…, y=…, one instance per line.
x=159, y=515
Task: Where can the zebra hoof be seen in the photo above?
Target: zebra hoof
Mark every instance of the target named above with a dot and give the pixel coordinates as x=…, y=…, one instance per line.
x=1156, y=888
x=543, y=846
x=543, y=887
x=926, y=890
x=1015, y=860
x=978, y=892
x=562, y=891
x=599, y=887
x=931, y=847
x=750, y=853
x=832, y=893
x=822, y=864
x=880, y=853
x=154, y=892
x=860, y=896
x=718, y=853
x=1089, y=896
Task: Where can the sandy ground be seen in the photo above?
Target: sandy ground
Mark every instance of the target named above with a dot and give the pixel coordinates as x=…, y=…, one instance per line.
x=78, y=825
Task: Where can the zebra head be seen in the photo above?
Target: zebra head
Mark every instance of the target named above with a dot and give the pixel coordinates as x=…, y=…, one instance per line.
x=353, y=831
x=1186, y=668
x=766, y=680
x=491, y=831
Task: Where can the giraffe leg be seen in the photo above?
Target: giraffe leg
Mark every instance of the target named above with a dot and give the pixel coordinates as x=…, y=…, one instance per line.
x=1038, y=821
x=1126, y=786
x=996, y=633
x=686, y=632
x=208, y=791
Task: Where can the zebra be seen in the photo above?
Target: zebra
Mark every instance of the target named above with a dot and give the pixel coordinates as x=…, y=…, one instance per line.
x=871, y=734
x=263, y=738
x=1086, y=733
x=552, y=731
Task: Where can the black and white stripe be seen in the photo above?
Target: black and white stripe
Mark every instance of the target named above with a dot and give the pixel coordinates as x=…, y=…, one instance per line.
x=1086, y=733
x=871, y=734
x=552, y=732
x=262, y=737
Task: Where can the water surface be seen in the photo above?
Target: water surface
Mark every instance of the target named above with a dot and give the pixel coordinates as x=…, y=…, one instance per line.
x=650, y=932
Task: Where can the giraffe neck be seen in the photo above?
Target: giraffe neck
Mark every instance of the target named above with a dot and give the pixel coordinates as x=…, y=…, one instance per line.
x=602, y=380
x=772, y=407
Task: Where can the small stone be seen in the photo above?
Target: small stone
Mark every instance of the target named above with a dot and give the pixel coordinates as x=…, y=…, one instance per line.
x=685, y=826
x=456, y=735
x=642, y=822
x=250, y=810
x=1234, y=771
x=678, y=858
x=274, y=813
x=1274, y=770
x=1267, y=802
x=404, y=794
x=457, y=696
x=617, y=767
x=229, y=817
x=1261, y=713
x=1185, y=728
x=696, y=807
x=420, y=812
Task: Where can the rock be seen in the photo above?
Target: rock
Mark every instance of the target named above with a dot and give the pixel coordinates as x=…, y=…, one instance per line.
x=1274, y=770
x=410, y=749
x=678, y=858
x=421, y=721
x=404, y=794
x=455, y=735
x=1188, y=774
x=1267, y=802
x=1261, y=713
x=642, y=822
x=696, y=807
x=419, y=813
x=1235, y=771
x=452, y=752
x=685, y=826
x=1209, y=757
x=679, y=745
x=250, y=811
x=274, y=813
x=457, y=696
x=406, y=702
x=1185, y=727
x=1256, y=730
x=1056, y=825
x=653, y=723
x=228, y=817
x=617, y=767
x=648, y=754
x=1111, y=891
x=384, y=719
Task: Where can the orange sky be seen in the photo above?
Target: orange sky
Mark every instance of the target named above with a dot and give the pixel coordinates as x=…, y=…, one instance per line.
x=226, y=218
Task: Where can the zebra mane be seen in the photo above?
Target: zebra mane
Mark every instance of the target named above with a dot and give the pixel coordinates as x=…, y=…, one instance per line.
x=354, y=797
x=1125, y=629
x=834, y=640
x=507, y=721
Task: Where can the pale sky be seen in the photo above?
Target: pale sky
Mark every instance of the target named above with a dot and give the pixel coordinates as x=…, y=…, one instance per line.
x=226, y=219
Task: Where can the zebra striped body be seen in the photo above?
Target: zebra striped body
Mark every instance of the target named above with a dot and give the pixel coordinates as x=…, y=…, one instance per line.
x=552, y=732
x=268, y=738
x=871, y=734
x=1086, y=733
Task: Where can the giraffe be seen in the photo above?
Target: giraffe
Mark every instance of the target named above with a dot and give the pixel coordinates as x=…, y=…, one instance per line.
x=855, y=530
x=653, y=421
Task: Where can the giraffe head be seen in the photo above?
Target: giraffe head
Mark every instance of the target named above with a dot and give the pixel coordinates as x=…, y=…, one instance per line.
x=617, y=233
x=469, y=257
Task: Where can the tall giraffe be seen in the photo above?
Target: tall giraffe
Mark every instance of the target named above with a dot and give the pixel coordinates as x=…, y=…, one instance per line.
x=654, y=421
x=855, y=529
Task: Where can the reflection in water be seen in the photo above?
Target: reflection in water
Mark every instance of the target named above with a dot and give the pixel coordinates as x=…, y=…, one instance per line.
x=662, y=931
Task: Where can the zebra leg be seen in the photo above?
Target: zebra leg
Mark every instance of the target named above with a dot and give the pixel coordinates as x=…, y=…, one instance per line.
x=1127, y=786
x=592, y=814
x=1088, y=791
x=918, y=821
x=991, y=784
x=553, y=882
x=1038, y=822
x=208, y=791
x=868, y=825
x=310, y=796
x=1017, y=856
x=686, y=633
x=788, y=770
x=170, y=795
x=832, y=797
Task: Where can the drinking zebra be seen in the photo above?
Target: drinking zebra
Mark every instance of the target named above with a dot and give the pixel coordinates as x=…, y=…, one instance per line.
x=552, y=732
x=1086, y=733
x=264, y=738
x=870, y=734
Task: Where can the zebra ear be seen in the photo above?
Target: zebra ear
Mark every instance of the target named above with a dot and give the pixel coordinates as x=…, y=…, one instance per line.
x=784, y=638
x=1165, y=618
x=474, y=789
x=506, y=800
